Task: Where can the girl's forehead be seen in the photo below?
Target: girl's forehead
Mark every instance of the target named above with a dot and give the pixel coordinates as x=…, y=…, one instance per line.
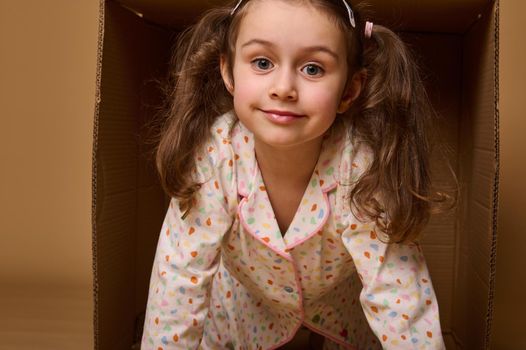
x=289, y=23
x=283, y=10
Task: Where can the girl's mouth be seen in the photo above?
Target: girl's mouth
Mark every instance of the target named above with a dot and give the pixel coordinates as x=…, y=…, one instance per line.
x=281, y=117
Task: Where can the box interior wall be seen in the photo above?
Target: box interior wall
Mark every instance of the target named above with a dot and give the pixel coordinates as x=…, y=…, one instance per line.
x=457, y=47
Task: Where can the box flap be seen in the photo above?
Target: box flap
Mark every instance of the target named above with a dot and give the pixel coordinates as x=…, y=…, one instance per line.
x=441, y=16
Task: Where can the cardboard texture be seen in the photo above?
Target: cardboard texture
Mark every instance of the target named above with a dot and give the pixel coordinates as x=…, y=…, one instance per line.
x=508, y=329
x=456, y=43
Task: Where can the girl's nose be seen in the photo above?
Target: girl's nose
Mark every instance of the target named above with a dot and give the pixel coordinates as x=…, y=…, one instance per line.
x=284, y=87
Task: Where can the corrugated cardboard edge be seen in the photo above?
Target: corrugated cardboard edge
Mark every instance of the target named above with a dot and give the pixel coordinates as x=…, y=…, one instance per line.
x=94, y=174
x=496, y=179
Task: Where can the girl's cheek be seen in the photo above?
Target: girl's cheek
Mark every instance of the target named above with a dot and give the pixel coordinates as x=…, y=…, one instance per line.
x=247, y=89
x=243, y=92
x=323, y=98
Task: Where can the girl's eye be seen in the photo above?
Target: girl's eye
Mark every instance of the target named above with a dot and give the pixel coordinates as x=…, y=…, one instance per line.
x=312, y=70
x=262, y=64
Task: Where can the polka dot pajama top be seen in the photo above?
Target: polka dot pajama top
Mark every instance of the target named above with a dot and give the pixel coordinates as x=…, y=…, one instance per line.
x=225, y=277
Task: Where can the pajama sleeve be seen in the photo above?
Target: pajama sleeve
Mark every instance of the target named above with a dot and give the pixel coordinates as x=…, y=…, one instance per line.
x=397, y=295
x=185, y=262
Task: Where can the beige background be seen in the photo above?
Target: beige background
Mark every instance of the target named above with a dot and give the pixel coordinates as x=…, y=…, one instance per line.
x=47, y=87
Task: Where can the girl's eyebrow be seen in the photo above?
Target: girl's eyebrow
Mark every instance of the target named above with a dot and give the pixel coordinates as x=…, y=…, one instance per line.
x=316, y=48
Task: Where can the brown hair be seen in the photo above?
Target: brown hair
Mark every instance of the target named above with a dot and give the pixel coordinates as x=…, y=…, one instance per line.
x=390, y=116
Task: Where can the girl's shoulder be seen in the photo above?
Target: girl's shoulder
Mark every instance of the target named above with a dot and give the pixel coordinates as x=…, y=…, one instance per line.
x=228, y=153
x=232, y=139
x=214, y=152
x=221, y=130
x=216, y=149
x=355, y=157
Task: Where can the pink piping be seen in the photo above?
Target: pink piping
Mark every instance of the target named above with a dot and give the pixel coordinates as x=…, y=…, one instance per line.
x=324, y=221
x=331, y=337
x=302, y=312
x=242, y=220
x=288, y=257
x=296, y=274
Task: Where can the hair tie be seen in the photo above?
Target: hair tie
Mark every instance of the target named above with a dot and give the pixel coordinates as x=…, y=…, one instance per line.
x=368, y=29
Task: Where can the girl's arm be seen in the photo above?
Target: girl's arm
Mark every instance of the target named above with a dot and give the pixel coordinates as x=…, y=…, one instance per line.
x=186, y=259
x=397, y=296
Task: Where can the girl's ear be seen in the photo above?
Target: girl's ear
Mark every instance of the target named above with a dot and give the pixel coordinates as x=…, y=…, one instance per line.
x=226, y=75
x=353, y=90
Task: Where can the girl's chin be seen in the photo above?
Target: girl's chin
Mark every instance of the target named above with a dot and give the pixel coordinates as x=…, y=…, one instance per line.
x=285, y=143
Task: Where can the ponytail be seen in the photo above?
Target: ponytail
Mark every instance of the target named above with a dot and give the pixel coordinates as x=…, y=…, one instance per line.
x=392, y=117
x=196, y=96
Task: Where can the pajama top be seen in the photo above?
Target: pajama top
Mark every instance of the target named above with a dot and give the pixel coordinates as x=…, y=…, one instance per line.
x=225, y=277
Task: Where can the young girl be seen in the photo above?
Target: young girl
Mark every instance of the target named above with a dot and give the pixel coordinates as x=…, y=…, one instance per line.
x=297, y=162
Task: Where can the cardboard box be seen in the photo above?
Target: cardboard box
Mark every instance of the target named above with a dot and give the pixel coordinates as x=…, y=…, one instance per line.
x=457, y=45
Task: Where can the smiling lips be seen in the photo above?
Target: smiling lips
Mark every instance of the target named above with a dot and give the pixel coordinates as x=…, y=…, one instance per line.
x=281, y=117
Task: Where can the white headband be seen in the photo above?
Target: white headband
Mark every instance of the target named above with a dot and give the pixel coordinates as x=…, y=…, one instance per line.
x=349, y=11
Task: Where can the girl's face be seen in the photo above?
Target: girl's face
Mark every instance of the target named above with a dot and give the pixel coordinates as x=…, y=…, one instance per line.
x=290, y=71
